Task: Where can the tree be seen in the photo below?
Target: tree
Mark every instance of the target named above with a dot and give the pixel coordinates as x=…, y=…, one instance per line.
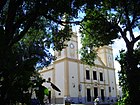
x=110, y=19
x=15, y=77
x=122, y=74
x=28, y=29
x=124, y=100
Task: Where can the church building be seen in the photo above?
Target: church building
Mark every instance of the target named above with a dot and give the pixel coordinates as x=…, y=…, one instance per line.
x=80, y=83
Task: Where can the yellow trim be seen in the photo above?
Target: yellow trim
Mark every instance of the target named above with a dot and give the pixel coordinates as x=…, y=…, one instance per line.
x=105, y=93
x=115, y=83
x=53, y=80
x=105, y=57
x=46, y=70
x=66, y=80
x=99, y=59
x=69, y=59
x=78, y=61
x=108, y=81
x=78, y=64
x=84, y=80
x=94, y=83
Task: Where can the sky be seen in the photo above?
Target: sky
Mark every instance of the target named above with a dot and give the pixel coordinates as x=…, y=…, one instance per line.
x=118, y=45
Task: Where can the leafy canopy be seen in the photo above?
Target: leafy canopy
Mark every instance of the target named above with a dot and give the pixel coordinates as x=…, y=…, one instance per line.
x=123, y=79
x=28, y=29
x=107, y=20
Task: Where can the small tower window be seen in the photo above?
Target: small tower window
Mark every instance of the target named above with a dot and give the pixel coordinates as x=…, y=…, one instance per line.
x=59, y=53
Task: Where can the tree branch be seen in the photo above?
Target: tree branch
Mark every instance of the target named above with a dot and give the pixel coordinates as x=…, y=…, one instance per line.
x=23, y=18
x=136, y=39
x=2, y=3
x=123, y=34
x=119, y=18
x=60, y=21
x=134, y=18
x=10, y=16
x=22, y=33
x=129, y=23
x=29, y=19
x=9, y=26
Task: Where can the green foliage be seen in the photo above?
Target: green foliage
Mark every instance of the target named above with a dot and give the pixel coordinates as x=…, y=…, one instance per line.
x=108, y=20
x=28, y=29
x=98, y=28
x=123, y=78
x=59, y=37
x=86, y=53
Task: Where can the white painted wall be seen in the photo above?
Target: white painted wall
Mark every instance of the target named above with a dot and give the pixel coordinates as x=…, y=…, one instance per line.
x=59, y=78
x=46, y=75
x=112, y=83
x=82, y=75
x=73, y=79
x=106, y=76
x=107, y=91
x=63, y=53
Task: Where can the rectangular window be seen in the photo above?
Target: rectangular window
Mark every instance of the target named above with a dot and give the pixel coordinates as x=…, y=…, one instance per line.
x=109, y=89
x=94, y=75
x=87, y=75
x=102, y=94
x=88, y=95
x=95, y=92
x=101, y=76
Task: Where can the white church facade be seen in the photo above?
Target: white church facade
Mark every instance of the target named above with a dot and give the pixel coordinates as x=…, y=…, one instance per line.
x=81, y=83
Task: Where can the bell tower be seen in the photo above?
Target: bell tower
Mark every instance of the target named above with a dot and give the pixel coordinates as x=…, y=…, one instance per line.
x=67, y=67
x=106, y=54
x=71, y=51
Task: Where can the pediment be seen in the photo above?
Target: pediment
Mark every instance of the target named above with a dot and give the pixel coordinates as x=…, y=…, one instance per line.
x=98, y=61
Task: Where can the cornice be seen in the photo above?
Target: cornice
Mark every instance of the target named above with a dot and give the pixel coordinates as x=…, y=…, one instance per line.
x=46, y=70
x=51, y=67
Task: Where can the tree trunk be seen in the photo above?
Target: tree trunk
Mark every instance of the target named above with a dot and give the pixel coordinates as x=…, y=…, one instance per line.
x=4, y=76
x=134, y=86
x=133, y=78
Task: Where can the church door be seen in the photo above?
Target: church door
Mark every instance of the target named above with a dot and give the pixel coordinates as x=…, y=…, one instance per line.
x=88, y=95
